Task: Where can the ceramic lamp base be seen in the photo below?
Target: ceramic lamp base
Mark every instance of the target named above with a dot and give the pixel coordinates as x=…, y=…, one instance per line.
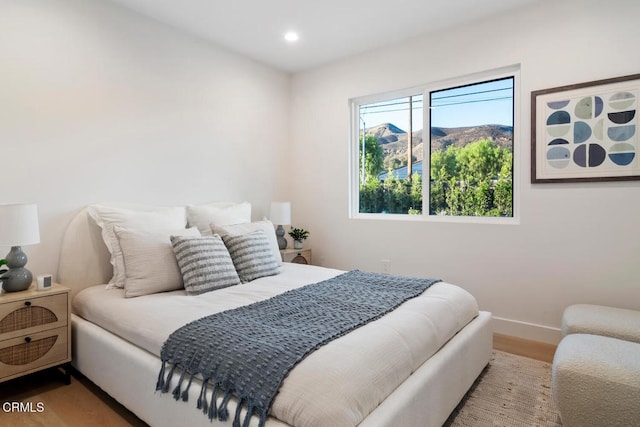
x=282, y=241
x=17, y=278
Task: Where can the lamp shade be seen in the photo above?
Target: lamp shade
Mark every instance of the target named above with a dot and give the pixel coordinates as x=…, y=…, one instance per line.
x=280, y=213
x=19, y=225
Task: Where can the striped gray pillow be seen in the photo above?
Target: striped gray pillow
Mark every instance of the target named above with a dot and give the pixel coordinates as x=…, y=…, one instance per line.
x=252, y=255
x=205, y=263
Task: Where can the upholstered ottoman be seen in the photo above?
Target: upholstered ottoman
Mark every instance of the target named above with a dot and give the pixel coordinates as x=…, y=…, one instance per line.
x=596, y=381
x=601, y=320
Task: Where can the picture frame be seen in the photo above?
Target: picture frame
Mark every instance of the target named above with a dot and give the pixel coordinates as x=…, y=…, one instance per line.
x=586, y=132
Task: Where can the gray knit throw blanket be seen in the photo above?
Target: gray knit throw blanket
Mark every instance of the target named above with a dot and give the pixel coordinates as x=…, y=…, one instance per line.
x=248, y=351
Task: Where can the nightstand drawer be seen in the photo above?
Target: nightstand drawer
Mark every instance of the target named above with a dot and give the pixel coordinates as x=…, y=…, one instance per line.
x=298, y=256
x=33, y=352
x=32, y=315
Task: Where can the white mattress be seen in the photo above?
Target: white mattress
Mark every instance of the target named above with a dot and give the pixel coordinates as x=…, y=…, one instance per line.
x=340, y=383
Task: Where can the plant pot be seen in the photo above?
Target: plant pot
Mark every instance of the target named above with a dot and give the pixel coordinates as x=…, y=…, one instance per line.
x=297, y=244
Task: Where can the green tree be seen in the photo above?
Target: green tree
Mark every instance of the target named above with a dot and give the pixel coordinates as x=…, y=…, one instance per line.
x=416, y=194
x=483, y=199
x=444, y=164
x=479, y=161
x=475, y=180
x=371, y=198
x=373, y=160
x=392, y=195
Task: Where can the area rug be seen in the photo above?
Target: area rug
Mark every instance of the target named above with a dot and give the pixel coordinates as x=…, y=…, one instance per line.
x=511, y=391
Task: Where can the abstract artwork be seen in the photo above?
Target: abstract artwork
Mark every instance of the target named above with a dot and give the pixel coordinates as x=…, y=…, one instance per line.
x=586, y=131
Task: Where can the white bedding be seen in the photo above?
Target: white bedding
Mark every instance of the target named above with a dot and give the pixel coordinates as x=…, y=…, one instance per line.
x=340, y=383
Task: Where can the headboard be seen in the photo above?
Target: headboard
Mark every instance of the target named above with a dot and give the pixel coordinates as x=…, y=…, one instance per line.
x=84, y=258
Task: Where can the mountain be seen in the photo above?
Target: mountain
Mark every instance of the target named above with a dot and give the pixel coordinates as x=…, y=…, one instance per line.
x=386, y=133
x=394, y=140
x=441, y=138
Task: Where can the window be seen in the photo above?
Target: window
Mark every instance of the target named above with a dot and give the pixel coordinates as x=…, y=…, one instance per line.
x=390, y=147
x=463, y=167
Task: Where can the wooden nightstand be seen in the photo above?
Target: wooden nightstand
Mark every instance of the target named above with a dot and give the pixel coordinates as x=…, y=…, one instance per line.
x=299, y=256
x=35, y=331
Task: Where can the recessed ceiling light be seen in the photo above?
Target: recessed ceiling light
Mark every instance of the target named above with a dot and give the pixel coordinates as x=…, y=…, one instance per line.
x=291, y=36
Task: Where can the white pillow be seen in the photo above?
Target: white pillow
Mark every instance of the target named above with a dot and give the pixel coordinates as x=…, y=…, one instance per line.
x=149, y=262
x=219, y=213
x=240, y=229
x=108, y=217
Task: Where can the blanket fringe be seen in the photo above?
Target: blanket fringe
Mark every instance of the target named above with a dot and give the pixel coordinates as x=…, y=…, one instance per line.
x=213, y=411
x=176, y=390
x=160, y=382
x=236, y=418
x=185, y=393
x=209, y=407
x=247, y=417
x=263, y=418
x=223, y=413
x=203, y=398
x=167, y=381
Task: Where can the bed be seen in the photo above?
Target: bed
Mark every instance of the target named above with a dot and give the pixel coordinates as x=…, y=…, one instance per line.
x=410, y=368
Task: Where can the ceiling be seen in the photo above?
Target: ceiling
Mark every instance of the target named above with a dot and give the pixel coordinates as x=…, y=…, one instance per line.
x=329, y=29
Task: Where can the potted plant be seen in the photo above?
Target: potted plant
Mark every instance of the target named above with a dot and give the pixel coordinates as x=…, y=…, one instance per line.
x=298, y=235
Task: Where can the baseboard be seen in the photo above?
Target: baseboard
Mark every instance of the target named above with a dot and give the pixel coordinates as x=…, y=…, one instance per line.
x=527, y=331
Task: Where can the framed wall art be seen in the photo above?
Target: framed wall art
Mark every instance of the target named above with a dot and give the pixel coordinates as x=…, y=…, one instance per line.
x=586, y=132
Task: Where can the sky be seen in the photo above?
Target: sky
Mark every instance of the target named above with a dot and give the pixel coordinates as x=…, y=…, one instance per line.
x=473, y=105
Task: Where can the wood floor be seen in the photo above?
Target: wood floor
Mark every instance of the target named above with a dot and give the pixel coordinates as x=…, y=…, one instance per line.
x=48, y=402
x=79, y=404
x=521, y=347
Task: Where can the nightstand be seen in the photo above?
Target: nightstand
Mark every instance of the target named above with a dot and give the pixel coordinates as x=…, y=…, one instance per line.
x=298, y=256
x=35, y=331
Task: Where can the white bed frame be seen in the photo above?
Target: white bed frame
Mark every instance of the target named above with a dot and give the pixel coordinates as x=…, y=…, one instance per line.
x=128, y=373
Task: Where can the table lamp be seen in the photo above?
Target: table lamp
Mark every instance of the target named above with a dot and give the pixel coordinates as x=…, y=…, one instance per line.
x=18, y=226
x=281, y=214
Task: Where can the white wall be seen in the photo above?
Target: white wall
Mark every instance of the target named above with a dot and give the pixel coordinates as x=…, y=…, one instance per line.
x=100, y=104
x=575, y=242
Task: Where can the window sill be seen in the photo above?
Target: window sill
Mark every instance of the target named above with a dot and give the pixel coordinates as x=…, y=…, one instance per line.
x=437, y=218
